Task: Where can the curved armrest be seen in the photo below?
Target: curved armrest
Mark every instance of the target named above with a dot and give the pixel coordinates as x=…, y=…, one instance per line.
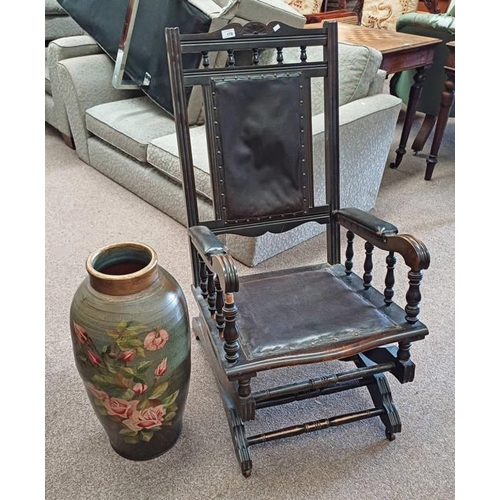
x=205, y=241
x=215, y=256
x=371, y=225
x=385, y=236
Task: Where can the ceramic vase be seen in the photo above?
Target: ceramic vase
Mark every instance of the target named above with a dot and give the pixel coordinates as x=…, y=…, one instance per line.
x=131, y=342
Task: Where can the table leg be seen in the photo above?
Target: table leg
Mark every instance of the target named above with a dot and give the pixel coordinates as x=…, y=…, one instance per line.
x=447, y=100
x=411, y=110
x=424, y=133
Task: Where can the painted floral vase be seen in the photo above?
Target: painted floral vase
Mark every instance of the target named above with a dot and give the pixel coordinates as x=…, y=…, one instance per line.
x=131, y=342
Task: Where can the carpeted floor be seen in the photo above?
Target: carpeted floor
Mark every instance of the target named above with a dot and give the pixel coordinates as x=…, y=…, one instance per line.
x=85, y=210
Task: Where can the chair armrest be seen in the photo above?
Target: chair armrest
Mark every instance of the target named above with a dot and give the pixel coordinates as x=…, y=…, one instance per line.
x=58, y=50
x=215, y=256
x=371, y=225
x=385, y=236
x=205, y=241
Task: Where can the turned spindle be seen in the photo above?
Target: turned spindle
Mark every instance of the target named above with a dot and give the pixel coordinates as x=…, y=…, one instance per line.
x=211, y=293
x=203, y=280
x=349, y=253
x=413, y=296
x=303, y=53
x=368, y=266
x=279, y=55
x=389, y=278
x=205, y=59
x=231, y=344
x=219, y=304
x=255, y=57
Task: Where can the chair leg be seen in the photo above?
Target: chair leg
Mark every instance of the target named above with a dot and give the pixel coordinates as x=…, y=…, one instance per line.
x=423, y=133
x=239, y=441
x=380, y=393
x=228, y=396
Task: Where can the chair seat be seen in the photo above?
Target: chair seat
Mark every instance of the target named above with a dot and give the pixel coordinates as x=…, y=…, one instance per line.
x=337, y=317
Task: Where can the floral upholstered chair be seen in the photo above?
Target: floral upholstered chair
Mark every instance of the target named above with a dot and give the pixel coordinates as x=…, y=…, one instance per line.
x=383, y=14
x=306, y=6
x=378, y=14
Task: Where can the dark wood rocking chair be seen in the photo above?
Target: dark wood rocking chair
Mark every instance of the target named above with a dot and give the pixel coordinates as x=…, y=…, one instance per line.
x=258, y=123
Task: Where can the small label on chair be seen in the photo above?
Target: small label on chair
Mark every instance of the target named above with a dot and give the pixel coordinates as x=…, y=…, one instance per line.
x=147, y=79
x=277, y=27
x=228, y=33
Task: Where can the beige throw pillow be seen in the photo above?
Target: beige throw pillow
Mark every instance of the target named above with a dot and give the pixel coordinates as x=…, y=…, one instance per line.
x=383, y=14
x=305, y=6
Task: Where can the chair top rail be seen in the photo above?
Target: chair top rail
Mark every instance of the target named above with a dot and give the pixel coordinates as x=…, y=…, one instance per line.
x=250, y=36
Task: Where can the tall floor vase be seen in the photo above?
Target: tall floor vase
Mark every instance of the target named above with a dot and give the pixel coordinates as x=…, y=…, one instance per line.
x=130, y=331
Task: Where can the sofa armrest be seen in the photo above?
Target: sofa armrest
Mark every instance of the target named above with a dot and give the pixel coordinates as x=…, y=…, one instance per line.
x=86, y=82
x=71, y=46
x=65, y=48
x=377, y=85
x=421, y=21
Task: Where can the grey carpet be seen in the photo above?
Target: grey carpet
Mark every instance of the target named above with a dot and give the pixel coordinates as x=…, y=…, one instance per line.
x=85, y=210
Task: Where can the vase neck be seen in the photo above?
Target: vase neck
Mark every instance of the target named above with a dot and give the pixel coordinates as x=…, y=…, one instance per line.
x=123, y=268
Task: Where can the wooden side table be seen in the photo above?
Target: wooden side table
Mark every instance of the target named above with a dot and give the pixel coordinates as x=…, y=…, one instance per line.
x=447, y=100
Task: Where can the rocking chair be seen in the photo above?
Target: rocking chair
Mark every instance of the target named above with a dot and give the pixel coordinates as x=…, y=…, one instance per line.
x=258, y=124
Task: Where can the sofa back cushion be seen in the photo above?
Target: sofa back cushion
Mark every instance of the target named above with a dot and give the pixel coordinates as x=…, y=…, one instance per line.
x=358, y=67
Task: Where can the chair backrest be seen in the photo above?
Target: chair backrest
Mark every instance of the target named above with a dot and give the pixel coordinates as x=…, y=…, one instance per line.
x=259, y=127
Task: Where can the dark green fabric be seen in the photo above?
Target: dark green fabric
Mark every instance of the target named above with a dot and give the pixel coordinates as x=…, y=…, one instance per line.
x=440, y=26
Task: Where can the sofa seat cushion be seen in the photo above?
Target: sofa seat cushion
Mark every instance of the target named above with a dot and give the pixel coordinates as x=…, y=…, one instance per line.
x=129, y=124
x=163, y=153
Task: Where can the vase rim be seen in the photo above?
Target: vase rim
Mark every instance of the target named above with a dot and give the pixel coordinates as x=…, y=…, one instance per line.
x=122, y=284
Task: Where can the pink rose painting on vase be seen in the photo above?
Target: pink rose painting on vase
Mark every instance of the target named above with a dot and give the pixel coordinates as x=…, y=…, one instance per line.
x=129, y=378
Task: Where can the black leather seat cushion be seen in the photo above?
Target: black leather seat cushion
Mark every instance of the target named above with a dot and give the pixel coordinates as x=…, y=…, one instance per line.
x=304, y=310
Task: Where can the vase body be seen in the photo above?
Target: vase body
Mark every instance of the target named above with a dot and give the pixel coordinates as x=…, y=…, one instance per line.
x=131, y=342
